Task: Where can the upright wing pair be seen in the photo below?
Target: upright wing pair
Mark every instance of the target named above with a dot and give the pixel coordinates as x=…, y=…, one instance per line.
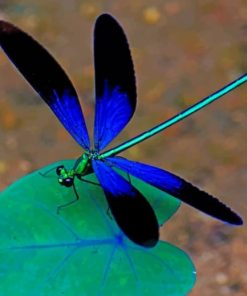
x=115, y=105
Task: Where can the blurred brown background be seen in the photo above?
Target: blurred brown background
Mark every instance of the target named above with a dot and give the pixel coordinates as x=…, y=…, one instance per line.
x=182, y=51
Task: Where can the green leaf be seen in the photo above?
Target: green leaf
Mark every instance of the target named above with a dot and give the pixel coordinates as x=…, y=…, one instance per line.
x=81, y=250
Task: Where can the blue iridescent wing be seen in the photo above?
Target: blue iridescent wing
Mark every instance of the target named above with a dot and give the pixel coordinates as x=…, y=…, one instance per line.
x=47, y=77
x=114, y=81
x=178, y=188
x=131, y=210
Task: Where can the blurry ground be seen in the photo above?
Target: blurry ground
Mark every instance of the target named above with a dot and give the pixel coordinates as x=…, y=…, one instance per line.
x=182, y=51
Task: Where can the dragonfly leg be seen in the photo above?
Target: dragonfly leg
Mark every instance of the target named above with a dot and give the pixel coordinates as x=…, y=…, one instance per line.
x=70, y=202
x=109, y=214
x=76, y=193
x=47, y=172
x=90, y=182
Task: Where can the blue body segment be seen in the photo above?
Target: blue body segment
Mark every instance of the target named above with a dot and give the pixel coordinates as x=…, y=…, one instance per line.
x=131, y=210
x=175, y=119
x=115, y=86
x=178, y=188
x=47, y=77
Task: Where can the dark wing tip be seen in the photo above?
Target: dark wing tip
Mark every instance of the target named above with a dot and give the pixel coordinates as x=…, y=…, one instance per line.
x=208, y=204
x=135, y=217
x=6, y=28
x=35, y=63
x=150, y=243
x=105, y=17
x=237, y=220
x=113, y=62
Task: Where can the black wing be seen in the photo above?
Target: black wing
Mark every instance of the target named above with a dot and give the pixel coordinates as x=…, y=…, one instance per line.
x=178, y=188
x=130, y=209
x=47, y=77
x=114, y=81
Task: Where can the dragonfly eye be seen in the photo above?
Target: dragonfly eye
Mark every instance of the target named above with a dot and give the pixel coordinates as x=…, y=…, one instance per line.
x=59, y=170
x=68, y=182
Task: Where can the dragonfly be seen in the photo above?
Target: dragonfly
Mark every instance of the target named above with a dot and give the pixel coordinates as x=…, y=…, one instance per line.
x=116, y=97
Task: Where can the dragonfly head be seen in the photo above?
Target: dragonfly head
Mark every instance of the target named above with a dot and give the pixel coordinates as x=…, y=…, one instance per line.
x=65, y=178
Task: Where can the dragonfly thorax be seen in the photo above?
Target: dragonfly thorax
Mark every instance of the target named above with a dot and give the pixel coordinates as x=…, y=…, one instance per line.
x=81, y=168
